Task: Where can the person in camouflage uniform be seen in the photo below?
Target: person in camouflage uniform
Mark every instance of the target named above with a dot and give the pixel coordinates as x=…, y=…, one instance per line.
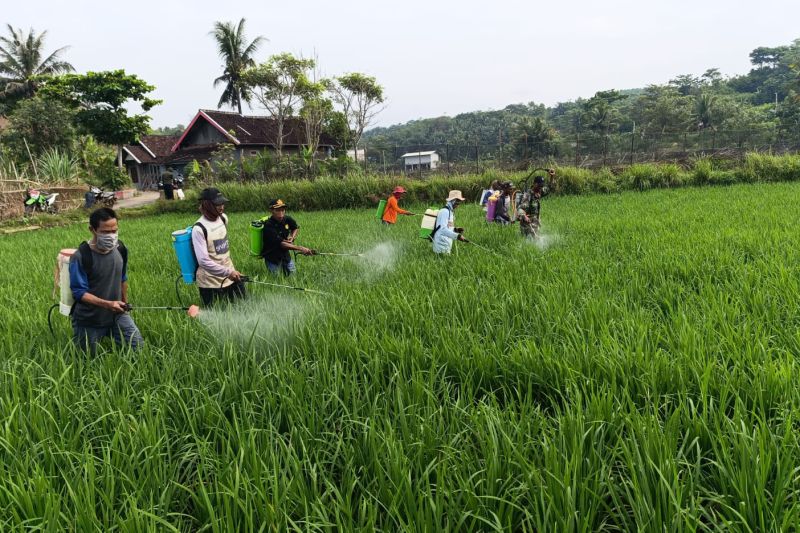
x=529, y=208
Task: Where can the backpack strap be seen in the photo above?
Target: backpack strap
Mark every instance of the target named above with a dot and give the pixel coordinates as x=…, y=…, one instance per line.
x=123, y=251
x=87, y=261
x=202, y=228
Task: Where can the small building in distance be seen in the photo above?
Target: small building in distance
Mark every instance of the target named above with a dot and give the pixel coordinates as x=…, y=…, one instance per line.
x=420, y=160
x=147, y=159
x=357, y=155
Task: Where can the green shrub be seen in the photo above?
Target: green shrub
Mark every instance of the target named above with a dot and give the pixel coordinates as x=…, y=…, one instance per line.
x=57, y=166
x=723, y=177
x=603, y=181
x=768, y=167
x=639, y=176
x=570, y=180
x=701, y=171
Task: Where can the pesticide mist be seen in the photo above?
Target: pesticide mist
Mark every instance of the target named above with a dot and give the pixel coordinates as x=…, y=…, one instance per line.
x=256, y=319
x=378, y=259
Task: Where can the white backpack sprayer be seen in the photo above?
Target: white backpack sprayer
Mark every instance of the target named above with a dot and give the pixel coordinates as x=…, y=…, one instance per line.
x=66, y=302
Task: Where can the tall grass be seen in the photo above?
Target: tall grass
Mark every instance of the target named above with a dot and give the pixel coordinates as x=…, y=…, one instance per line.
x=365, y=191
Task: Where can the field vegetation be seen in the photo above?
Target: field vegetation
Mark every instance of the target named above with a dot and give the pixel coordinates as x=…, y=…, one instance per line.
x=635, y=370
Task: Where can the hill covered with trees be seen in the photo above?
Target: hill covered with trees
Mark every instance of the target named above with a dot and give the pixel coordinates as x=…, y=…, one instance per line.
x=767, y=98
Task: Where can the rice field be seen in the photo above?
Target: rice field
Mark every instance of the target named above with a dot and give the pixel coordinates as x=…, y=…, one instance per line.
x=634, y=371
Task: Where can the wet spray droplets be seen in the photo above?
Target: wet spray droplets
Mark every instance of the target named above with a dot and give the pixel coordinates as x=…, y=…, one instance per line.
x=255, y=320
x=379, y=259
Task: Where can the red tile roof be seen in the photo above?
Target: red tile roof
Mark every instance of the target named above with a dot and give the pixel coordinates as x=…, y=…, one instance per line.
x=152, y=145
x=160, y=145
x=261, y=131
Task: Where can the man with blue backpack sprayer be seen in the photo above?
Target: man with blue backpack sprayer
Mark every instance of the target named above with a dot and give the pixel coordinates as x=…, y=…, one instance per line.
x=217, y=278
x=444, y=230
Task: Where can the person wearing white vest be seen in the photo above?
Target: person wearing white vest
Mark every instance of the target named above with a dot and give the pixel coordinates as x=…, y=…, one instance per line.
x=217, y=278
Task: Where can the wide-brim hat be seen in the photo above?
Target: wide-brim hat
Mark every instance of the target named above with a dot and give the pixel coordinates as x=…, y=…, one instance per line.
x=455, y=195
x=277, y=204
x=398, y=190
x=213, y=195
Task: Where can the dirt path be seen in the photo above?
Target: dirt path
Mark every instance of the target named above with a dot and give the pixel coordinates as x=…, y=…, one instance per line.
x=146, y=198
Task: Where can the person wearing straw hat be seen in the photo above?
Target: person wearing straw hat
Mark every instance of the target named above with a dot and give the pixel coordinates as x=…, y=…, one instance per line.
x=444, y=230
x=217, y=278
x=393, y=209
x=279, y=234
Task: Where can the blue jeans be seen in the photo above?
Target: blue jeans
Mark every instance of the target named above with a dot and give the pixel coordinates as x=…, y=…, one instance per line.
x=287, y=267
x=124, y=332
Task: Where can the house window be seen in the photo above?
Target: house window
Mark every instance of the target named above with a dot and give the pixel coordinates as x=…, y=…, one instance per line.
x=253, y=152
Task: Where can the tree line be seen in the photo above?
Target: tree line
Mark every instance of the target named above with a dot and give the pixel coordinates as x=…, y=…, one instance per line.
x=57, y=113
x=766, y=98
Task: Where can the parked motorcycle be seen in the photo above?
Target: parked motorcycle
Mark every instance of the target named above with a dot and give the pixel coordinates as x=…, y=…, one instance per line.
x=41, y=201
x=104, y=198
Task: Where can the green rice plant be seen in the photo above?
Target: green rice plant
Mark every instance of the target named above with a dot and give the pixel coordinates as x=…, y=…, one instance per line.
x=634, y=369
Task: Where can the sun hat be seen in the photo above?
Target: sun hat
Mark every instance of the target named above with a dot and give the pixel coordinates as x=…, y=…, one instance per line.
x=398, y=189
x=455, y=195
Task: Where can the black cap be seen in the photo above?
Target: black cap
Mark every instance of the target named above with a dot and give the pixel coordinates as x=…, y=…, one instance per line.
x=277, y=204
x=213, y=195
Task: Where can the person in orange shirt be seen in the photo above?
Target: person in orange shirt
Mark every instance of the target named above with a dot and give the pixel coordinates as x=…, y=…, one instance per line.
x=392, y=207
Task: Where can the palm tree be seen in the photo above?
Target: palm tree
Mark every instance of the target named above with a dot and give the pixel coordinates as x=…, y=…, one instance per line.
x=238, y=56
x=21, y=64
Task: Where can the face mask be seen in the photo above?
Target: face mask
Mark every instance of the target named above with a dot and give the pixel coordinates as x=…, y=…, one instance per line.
x=106, y=241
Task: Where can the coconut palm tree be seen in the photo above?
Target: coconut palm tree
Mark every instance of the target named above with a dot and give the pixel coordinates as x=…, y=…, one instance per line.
x=238, y=57
x=21, y=64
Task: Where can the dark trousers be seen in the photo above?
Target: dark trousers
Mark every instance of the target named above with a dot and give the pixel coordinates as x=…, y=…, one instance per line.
x=168, y=192
x=231, y=293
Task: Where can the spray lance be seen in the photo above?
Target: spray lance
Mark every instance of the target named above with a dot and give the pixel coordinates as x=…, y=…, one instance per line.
x=193, y=311
x=248, y=279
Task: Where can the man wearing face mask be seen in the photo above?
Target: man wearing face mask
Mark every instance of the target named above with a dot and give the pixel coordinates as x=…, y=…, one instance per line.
x=98, y=278
x=216, y=276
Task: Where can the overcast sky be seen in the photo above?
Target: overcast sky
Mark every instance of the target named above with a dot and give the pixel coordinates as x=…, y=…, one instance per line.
x=432, y=57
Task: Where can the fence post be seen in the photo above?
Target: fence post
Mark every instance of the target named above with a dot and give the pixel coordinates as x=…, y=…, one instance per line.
x=633, y=140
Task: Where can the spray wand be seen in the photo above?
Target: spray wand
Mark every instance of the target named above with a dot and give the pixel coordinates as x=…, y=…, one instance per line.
x=339, y=254
x=192, y=310
x=248, y=279
x=480, y=246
